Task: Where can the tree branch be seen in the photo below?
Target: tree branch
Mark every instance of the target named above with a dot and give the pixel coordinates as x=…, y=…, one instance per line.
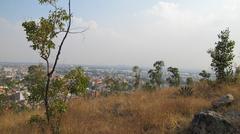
x=64, y=38
x=71, y=32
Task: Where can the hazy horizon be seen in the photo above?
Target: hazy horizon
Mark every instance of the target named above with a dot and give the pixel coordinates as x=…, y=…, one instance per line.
x=123, y=32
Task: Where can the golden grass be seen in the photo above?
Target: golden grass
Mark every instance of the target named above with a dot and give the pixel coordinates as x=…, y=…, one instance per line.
x=160, y=112
x=14, y=123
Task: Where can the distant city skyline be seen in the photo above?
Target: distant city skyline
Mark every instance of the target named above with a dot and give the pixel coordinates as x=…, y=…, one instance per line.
x=128, y=32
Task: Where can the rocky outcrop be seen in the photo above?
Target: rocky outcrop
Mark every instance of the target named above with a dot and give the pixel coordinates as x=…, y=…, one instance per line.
x=223, y=101
x=211, y=122
x=234, y=117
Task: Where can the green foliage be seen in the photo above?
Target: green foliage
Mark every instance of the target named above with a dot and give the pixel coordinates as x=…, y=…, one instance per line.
x=115, y=84
x=205, y=75
x=136, y=74
x=58, y=90
x=237, y=75
x=189, y=81
x=3, y=102
x=42, y=33
x=77, y=81
x=36, y=119
x=155, y=74
x=35, y=83
x=149, y=87
x=6, y=103
x=11, y=83
x=39, y=121
x=174, y=79
x=7, y=82
x=17, y=107
x=222, y=57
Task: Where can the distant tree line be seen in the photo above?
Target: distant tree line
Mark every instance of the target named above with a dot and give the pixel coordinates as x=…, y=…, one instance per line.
x=222, y=59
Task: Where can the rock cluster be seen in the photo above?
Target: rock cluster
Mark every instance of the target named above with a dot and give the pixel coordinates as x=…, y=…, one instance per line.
x=223, y=101
x=211, y=122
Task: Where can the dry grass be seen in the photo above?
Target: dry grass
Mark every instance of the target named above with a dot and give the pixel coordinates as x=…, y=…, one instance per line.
x=157, y=112
x=16, y=123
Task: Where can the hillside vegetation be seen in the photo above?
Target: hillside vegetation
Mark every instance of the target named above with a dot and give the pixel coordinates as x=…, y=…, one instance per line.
x=162, y=111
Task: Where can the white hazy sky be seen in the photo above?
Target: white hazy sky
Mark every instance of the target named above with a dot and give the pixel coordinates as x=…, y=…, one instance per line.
x=129, y=32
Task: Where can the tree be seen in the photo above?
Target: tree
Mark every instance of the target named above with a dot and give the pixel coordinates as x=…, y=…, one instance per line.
x=73, y=83
x=3, y=102
x=189, y=81
x=237, y=74
x=35, y=83
x=148, y=86
x=136, y=74
x=77, y=81
x=116, y=84
x=222, y=57
x=174, y=78
x=42, y=34
x=7, y=82
x=155, y=74
x=205, y=75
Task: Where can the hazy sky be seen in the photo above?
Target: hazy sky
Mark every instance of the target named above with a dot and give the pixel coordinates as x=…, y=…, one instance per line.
x=128, y=32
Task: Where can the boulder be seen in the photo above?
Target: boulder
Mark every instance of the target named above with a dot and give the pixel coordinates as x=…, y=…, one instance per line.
x=234, y=117
x=210, y=122
x=223, y=101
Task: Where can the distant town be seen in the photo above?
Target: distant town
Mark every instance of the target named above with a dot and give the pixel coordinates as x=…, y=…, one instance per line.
x=97, y=75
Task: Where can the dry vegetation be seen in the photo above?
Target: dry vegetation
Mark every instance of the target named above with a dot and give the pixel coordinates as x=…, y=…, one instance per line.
x=163, y=111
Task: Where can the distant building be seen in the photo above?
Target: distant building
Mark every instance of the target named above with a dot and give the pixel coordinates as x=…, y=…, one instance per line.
x=18, y=96
x=8, y=69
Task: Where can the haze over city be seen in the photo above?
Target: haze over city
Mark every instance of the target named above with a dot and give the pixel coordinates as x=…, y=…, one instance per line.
x=120, y=67
x=123, y=32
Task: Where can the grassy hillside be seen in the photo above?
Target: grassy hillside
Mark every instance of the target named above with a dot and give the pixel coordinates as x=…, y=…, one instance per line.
x=161, y=111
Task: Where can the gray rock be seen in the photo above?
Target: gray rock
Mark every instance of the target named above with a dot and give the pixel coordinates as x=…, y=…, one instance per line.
x=210, y=122
x=234, y=117
x=223, y=101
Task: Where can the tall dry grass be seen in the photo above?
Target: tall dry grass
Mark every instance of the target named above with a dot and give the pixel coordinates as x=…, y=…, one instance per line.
x=16, y=123
x=159, y=112
x=141, y=112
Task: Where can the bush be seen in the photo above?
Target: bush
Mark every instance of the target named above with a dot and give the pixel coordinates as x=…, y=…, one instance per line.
x=185, y=91
x=149, y=87
x=39, y=121
x=3, y=102
x=36, y=119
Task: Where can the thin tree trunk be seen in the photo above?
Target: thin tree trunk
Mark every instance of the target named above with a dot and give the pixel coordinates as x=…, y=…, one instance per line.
x=46, y=98
x=50, y=73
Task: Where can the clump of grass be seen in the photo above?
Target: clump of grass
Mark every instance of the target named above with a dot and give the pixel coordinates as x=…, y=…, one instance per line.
x=185, y=91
